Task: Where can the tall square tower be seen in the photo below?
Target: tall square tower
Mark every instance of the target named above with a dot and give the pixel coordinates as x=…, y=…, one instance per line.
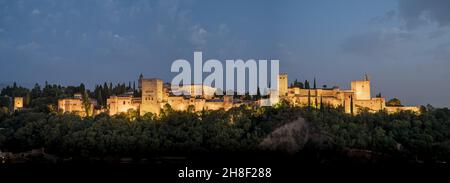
x=18, y=103
x=283, y=84
x=361, y=89
x=152, y=95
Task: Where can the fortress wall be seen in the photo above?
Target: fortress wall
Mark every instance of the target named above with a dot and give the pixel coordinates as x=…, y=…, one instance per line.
x=18, y=103
x=390, y=109
x=180, y=103
x=214, y=105
x=374, y=104
x=303, y=101
x=155, y=95
x=74, y=105
x=121, y=104
x=348, y=102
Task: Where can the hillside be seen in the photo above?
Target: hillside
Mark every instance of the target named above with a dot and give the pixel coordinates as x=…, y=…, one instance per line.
x=290, y=137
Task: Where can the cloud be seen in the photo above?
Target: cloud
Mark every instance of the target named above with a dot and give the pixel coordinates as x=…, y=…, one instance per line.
x=31, y=46
x=160, y=29
x=437, y=34
x=35, y=12
x=442, y=52
x=375, y=43
x=388, y=16
x=198, y=36
x=223, y=29
x=419, y=12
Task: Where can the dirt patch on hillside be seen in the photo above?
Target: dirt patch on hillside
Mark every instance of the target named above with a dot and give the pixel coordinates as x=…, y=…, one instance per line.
x=290, y=137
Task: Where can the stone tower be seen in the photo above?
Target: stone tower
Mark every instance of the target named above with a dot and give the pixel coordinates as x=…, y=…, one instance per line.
x=18, y=103
x=152, y=95
x=283, y=85
x=361, y=88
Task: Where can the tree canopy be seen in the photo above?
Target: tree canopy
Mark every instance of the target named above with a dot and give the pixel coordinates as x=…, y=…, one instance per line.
x=394, y=102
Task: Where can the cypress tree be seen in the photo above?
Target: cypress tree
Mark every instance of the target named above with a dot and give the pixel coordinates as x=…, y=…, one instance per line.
x=309, y=98
x=316, y=103
x=258, y=94
x=321, y=103
x=351, y=104
x=82, y=88
x=315, y=83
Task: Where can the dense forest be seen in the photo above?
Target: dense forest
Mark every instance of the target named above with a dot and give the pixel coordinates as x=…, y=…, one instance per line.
x=404, y=136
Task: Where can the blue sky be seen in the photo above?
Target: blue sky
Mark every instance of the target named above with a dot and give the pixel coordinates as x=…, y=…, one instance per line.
x=404, y=45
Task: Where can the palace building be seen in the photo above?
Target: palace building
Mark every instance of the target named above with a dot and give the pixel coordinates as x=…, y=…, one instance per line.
x=155, y=95
x=75, y=105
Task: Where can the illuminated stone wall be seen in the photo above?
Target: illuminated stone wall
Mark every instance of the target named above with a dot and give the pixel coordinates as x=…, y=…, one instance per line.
x=283, y=85
x=75, y=105
x=195, y=90
x=122, y=104
x=155, y=95
x=372, y=105
x=391, y=110
x=181, y=103
x=356, y=99
x=18, y=103
x=361, y=89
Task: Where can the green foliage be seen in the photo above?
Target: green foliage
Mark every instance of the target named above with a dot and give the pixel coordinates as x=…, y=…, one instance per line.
x=45, y=99
x=378, y=95
x=394, y=102
x=307, y=84
x=173, y=132
x=14, y=91
x=423, y=137
x=5, y=103
x=86, y=104
x=296, y=83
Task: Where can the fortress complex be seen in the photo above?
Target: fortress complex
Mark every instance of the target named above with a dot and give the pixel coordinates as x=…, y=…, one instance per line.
x=155, y=94
x=354, y=100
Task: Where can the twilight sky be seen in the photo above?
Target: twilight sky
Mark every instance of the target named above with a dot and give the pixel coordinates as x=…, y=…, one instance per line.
x=404, y=45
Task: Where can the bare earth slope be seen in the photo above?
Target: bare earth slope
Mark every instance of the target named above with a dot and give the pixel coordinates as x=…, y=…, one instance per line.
x=290, y=137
